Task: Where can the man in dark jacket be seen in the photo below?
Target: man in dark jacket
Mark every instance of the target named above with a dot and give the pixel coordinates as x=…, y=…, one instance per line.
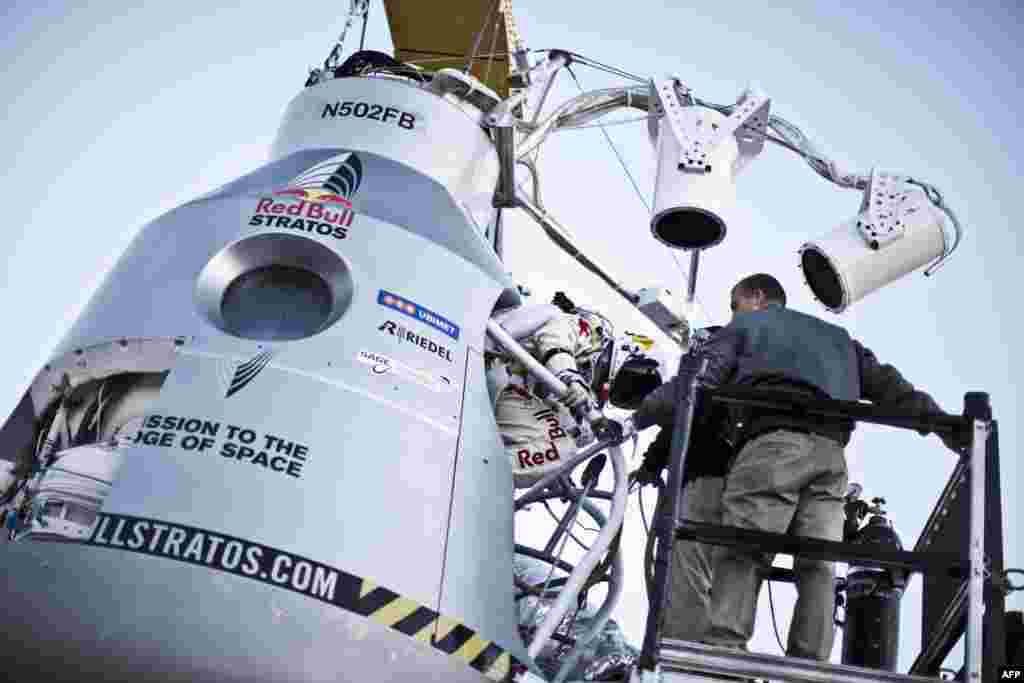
x=789, y=473
x=689, y=595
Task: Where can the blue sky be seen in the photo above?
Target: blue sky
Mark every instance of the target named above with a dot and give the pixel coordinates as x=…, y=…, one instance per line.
x=115, y=118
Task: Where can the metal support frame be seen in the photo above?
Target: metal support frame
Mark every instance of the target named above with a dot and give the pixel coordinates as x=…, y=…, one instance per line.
x=949, y=564
x=659, y=306
x=581, y=109
x=537, y=77
x=665, y=523
x=679, y=655
x=505, y=142
x=523, y=64
x=781, y=401
x=565, y=492
x=976, y=583
x=543, y=96
x=691, y=277
x=615, y=579
x=544, y=557
x=979, y=601
x=568, y=595
x=499, y=234
x=750, y=116
x=994, y=622
x=502, y=120
x=557, y=485
x=560, y=236
x=949, y=528
x=697, y=137
x=941, y=640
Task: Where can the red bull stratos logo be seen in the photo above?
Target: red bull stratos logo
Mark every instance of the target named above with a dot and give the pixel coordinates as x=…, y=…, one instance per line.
x=317, y=201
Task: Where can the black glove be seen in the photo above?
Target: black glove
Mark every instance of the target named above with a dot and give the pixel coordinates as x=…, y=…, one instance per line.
x=656, y=455
x=646, y=475
x=564, y=302
x=955, y=443
x=958, y=441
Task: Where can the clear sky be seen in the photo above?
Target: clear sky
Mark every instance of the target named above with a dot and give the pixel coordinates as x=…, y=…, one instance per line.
x=114, y=118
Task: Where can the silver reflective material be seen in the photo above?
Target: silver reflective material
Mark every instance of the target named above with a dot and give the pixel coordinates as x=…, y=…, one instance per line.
x=608, y=657
x=274, y=286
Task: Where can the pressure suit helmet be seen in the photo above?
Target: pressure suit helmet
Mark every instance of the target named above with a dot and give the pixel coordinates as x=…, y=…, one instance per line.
x=632, y=369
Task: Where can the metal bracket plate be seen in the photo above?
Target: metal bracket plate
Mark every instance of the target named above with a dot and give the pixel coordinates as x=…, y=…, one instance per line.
x=693, y=133
x=751, y=115
x=698, y=134
x=657, y=305
x=539, y=75
x=887, y=202
x=654, y=113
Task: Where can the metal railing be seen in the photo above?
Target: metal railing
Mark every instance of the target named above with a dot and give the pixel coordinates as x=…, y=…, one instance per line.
x=556, y=484
x=977, y=603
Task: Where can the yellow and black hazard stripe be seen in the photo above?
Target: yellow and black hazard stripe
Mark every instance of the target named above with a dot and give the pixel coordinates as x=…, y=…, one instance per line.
x=222, y=552
x=425, y=625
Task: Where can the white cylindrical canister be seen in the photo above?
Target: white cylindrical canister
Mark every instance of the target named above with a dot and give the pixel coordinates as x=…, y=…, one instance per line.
x=841, y=268
x=400, y=121
x=689, y=208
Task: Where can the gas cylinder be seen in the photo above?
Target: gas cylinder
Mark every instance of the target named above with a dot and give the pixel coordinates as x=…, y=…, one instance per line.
x=872, y=626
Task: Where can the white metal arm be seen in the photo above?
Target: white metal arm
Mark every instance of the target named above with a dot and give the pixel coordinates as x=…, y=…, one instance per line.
x=534, y=367
x=501, y=115
x=568, y=595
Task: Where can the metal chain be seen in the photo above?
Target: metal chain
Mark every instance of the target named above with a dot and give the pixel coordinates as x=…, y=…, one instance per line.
x=357, y=9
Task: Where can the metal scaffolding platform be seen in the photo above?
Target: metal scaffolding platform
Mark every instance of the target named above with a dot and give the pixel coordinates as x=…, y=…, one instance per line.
x=960, y=554
x=680, y=661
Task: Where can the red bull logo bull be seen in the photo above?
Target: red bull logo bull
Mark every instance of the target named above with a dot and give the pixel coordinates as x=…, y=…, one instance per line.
x=316, y=195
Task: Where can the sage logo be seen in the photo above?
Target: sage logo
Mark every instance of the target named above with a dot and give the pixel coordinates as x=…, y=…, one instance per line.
x=385, y=365
x=235, y=375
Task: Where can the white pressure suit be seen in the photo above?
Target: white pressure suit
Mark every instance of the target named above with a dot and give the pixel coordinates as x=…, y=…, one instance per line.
x=539, y=434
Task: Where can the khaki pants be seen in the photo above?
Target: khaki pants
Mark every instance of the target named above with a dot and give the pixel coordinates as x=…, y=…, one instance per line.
x=782, y=482
x=689, y=595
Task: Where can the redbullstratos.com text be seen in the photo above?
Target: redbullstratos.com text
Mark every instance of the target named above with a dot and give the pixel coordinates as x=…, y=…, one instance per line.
x=217, y=551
